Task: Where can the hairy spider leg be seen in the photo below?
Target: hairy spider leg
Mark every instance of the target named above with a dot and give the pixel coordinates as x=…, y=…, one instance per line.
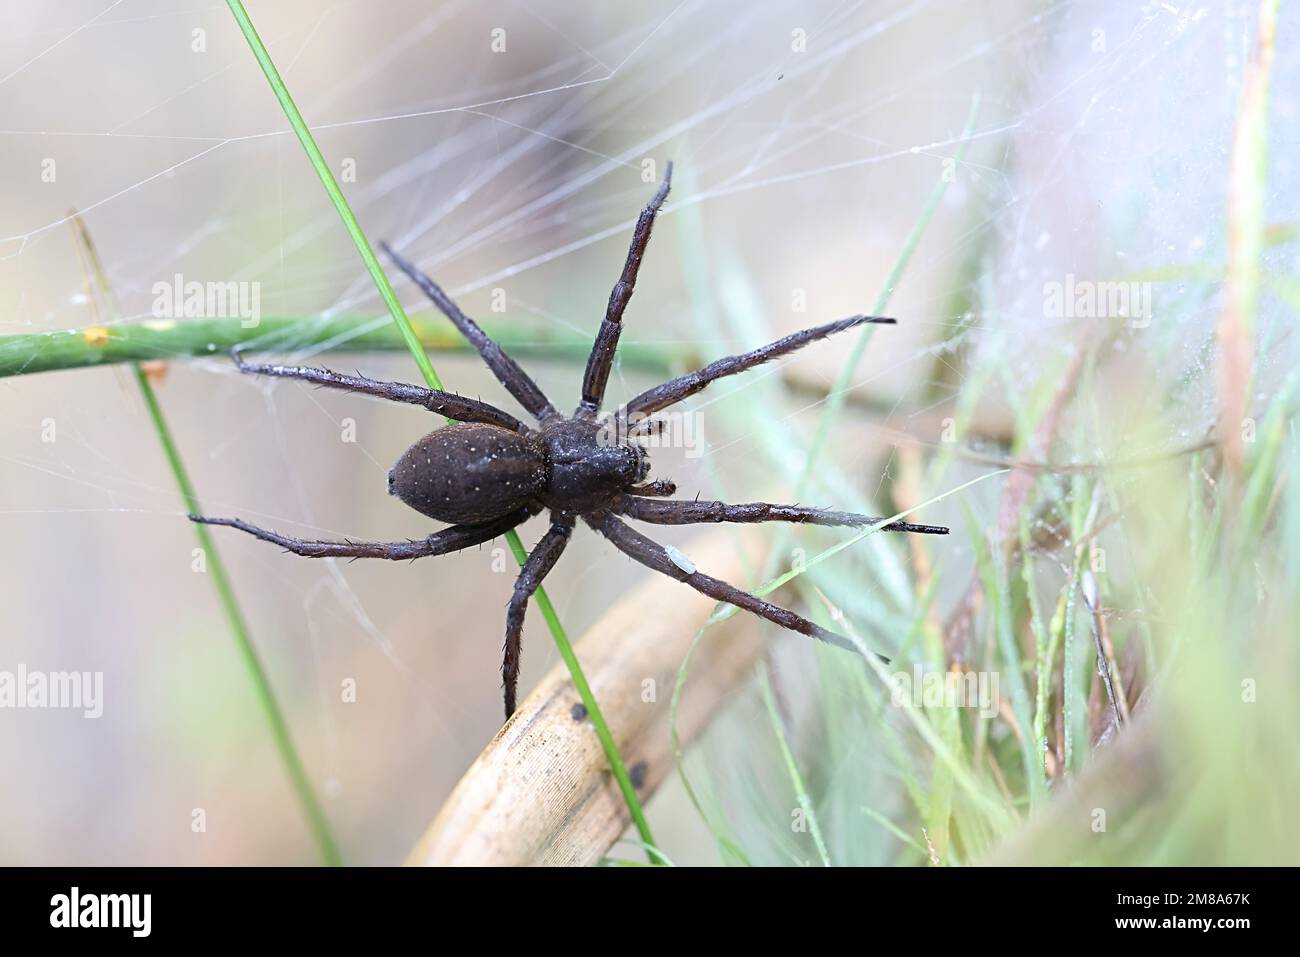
x=444, y=403
x=659, y=488
x=694, y=512
x=653, y=555
x=449, y=539
x=508, y=372
x=539, y=564
x=674, y=390
x=601, y=359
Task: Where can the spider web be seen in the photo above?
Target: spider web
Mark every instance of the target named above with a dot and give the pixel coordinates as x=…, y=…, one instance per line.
x=806, y=138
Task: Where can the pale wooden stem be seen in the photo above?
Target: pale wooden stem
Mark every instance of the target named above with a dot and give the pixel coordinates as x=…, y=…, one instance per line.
x=541, y=792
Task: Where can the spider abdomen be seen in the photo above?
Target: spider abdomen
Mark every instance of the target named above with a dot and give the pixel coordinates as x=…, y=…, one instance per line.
x=469, y=473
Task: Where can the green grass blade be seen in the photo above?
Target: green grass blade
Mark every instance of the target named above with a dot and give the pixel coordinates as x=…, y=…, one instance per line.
x=336, y=196
x=610, y=746
x=1042, y=663
x=261, y=682
x=403, y=323
x=833, y=550
x=727, y=843
x=792, y=768
x=893, y=828
x=992, y=569
x=316, y=818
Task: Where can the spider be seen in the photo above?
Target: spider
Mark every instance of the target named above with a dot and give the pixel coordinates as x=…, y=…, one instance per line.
x=486, y=472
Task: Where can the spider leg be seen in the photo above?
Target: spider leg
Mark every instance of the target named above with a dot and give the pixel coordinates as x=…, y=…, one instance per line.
x=646, y=428
x=508, y=373
x=540, y=561
x=690, y=513
x=674, y=390
x=450, y=539
x=601, y=359
x=653, y=555
x=656, y=489
x=444, y=403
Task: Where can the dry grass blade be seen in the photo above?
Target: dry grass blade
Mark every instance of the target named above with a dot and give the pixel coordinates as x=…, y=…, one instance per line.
x=541, y=792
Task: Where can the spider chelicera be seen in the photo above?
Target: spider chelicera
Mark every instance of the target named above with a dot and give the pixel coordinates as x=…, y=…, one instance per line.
x=488, y=472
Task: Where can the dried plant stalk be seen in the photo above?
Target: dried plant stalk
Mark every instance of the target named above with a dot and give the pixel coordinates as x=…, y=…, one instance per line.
x=541, y=792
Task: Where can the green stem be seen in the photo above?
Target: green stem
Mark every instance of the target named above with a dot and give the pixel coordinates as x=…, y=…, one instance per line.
x=792, y=768
x=311, y=806
x=431, y=377
x=28, y=353
x=316, y=819
x=607, y=741
x=327, y=180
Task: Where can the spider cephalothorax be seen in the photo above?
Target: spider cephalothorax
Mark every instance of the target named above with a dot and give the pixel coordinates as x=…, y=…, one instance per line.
x=489, y=472
x=475, y=472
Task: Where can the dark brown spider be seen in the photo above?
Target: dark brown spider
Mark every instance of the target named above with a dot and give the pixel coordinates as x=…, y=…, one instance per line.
x=488, y=472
